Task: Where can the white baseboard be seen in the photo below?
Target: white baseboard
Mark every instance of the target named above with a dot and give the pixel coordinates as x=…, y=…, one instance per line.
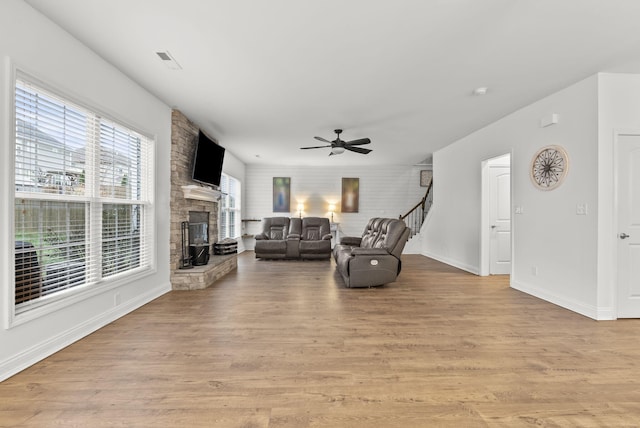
x=581, y=308
x=455, y=263
x=52, y=345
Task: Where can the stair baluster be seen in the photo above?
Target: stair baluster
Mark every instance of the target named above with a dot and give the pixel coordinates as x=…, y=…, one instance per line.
x=416, y=215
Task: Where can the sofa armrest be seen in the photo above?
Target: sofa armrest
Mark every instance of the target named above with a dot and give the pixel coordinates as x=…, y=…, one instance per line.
x=293, y=237
x=327, y=237
x=351, y=240
x=369, y=251
x=260, y=236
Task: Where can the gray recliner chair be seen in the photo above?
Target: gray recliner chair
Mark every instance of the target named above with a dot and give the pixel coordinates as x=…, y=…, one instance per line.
x=272, y=242
x=315, y=238
x=374, y=258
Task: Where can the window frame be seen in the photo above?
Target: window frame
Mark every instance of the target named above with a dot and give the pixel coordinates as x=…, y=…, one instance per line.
x=238, y=207
x=65, y=298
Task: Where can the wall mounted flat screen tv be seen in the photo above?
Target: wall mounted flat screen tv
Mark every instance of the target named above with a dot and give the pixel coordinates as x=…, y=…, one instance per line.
x=207, y=161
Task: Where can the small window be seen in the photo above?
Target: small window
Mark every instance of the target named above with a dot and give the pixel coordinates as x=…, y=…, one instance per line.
x=230, y=207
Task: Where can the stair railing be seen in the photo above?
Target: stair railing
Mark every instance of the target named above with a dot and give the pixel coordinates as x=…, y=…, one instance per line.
x=416, y=215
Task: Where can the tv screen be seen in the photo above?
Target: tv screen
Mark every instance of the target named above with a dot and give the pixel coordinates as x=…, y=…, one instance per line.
x=207, y=161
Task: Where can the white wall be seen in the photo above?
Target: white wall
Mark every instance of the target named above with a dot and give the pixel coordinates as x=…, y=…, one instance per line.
x=232, y=165
x=548, y=236
x=53, y=56
x=384, y=192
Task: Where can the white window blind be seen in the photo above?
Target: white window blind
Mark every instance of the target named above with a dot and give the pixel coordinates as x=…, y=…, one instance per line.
x=83, y=207
x=230, y=207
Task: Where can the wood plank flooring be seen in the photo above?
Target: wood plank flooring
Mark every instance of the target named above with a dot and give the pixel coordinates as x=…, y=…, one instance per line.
x=284, y=344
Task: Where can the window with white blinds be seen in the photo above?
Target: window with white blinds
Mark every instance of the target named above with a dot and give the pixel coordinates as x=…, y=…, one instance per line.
x=83, y=208
x=229, y=223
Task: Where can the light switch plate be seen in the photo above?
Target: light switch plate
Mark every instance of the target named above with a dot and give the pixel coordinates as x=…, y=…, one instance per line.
x=581, y=209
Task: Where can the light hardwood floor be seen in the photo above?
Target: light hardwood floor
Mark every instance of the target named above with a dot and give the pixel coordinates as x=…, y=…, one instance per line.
x=284, y=344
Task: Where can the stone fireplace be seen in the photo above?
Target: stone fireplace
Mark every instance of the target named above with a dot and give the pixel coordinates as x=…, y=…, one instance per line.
x=188, y=197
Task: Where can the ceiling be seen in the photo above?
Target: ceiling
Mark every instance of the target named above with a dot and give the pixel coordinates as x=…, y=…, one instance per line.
x=265, y=77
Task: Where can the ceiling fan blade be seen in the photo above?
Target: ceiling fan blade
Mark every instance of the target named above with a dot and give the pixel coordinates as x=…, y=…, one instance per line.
x=359, y=142
x=322, y=139
x=314, y=147
x=357, y=149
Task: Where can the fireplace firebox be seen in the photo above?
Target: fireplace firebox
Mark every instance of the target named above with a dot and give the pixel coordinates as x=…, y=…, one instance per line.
x=199, y=237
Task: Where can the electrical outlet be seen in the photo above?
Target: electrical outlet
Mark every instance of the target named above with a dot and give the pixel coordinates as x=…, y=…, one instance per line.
x=534, y=270
x=116, y=299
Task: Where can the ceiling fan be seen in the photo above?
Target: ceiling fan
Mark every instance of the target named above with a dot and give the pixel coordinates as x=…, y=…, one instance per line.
x=338, y=146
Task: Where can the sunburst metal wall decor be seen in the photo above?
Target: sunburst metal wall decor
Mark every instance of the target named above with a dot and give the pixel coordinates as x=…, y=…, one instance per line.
x=549, y=167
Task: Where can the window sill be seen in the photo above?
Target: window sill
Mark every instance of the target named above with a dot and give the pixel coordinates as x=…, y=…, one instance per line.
x=56, y=302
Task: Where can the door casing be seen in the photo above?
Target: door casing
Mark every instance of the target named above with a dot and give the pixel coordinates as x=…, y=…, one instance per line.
x=618, y=228
x=485, y=225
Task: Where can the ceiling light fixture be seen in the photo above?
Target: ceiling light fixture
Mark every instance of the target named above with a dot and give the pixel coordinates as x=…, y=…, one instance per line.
x=337, y=150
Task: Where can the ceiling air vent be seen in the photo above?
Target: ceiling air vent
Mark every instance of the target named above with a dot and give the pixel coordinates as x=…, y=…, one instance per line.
x=168, y=60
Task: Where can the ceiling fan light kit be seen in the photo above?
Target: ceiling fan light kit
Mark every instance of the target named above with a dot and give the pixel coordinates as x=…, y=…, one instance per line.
x=338, y=146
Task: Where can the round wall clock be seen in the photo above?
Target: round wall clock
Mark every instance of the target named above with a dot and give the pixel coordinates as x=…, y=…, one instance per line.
x=549, y=167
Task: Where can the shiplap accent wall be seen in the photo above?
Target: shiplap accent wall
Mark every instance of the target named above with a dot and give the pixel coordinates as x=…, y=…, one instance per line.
x=385, y=191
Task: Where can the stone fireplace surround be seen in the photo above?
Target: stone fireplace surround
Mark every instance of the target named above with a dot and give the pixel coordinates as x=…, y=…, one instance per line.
x=186, y=196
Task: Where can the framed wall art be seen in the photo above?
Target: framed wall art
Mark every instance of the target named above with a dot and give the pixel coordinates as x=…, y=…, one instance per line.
x=281, y=194
x=425, y=177
x=350, y=195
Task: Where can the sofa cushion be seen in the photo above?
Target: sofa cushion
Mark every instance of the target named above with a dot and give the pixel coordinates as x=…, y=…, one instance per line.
x=323, y=247
x=383, y=233
x=274, y=228
x=368, y=251
x=353, y=241
x=272, y=247
x=315, y=229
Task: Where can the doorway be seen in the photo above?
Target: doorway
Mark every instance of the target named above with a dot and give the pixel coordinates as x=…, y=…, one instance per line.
x=495, y=236
x=628, y=225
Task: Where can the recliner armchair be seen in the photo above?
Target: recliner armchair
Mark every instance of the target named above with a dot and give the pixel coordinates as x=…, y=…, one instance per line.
x=374, y=258
x=272, y=242
x=315, y=238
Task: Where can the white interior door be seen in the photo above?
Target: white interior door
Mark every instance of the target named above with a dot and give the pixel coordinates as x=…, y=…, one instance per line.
x=500, y=220
x=628, y=195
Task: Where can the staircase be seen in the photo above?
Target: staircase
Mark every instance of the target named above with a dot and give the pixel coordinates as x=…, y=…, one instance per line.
x=416, y=215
